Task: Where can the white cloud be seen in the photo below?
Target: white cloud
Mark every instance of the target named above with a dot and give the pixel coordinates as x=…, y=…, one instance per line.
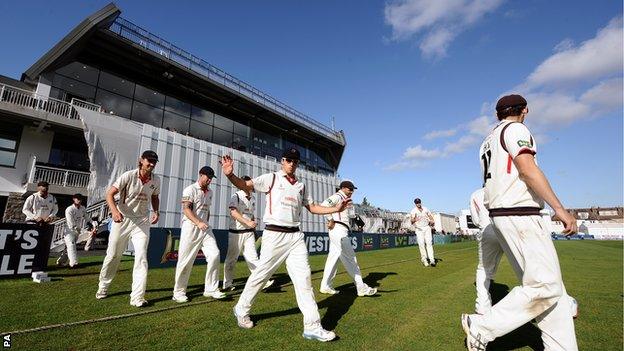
x=564, y=45
x=437, y=22
x=440, y=134
x=461, y=144
x=419, y=153
x=606, y=94
x=599, y=57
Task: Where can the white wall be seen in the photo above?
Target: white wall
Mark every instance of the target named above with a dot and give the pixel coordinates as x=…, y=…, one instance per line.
x=30, y=143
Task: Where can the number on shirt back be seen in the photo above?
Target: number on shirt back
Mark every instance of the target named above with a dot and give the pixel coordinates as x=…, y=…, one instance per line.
x=486, y=157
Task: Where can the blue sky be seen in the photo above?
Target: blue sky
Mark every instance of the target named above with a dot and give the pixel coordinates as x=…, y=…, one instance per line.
x=412, y=83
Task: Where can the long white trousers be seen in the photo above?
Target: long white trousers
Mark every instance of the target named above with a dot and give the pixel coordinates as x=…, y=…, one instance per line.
x=237, y=242
x=425, y=243
x=340, y=249
x=191, y=240
x=137, y=230
x=542, y=294
x=276, y=248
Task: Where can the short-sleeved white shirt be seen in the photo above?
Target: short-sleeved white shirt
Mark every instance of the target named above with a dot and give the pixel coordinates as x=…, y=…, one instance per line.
x=38, y=206
x=285, y=200
x=334, y=200
x=503, y=186
x=421, y=215
x=478, y=212
x=134, y=195
x=75, y=217
x=200, y=200
x=245, y=206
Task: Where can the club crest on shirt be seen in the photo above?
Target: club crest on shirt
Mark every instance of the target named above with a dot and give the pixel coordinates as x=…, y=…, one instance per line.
x=523, y=143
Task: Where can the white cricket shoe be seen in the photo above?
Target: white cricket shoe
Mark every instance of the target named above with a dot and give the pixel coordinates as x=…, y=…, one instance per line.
x=218, y=295
x=180, y=299
x=368, y=291
x=473, y=343
x=575, y=312
x=101, y=294
x=316, y=332
x=139, y=303
x=425, y=263
x=268, y=284
x=229, y=288
x=243, y=321
x=328, y=290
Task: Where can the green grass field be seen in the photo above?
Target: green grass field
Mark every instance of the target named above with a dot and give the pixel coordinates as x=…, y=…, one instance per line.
x=417, y=308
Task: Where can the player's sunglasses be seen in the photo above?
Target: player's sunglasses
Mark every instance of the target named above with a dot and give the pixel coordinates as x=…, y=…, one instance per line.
x=290, y=160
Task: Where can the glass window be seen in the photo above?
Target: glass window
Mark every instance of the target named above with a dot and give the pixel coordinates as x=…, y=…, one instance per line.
x=113, y=103
x=73, y=87
x=80, y=72
x=241, y=129
x=202, y=115
x=222, y=137
x=149, y=96
x=116, y=84
x=147, y=114
x=201, y=130
x=223, y=123
x=241, y=143
x=69, y=150
x=177, y=106
x=9, y=140
x=176, y=123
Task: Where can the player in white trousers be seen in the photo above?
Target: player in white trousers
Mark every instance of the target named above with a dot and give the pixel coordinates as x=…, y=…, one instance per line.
x=422, y=220
x=131, y=221
x=196, y=234
x=340, y=246
x=283, y=240
x=490, y=251
x=40, y=207
x=241, y=236
x=515, y=192
x=74, y=224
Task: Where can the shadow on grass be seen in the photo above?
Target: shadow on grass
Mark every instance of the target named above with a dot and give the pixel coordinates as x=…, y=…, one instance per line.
x=337, y=305
x=527, y=335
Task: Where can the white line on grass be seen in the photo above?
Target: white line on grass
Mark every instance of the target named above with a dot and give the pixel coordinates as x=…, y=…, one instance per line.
x=189, y=304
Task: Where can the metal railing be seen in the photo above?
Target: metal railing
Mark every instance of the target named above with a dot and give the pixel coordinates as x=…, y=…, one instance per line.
x=152, y=42
x=56, y=176
x=31, y=100
x=99, y=210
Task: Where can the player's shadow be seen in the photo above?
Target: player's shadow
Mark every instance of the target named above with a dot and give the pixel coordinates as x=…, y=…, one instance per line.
x=527, y=335
x=337, y=305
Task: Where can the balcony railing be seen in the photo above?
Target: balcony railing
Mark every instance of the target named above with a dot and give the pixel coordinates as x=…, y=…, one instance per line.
x=57, y=176
x=34, y=101
x=152, y=42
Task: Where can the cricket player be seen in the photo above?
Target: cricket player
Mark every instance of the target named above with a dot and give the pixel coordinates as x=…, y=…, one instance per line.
x=242, y=235
x=283, y=240
x=74, y=224
x=515, y=192
x=131, y=221
x=196, y=234
x=40, y=207
x=422, y=220
x=490, y=252
x=339, y=244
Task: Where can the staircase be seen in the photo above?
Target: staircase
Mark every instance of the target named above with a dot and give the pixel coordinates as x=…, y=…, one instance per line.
x=99, y=210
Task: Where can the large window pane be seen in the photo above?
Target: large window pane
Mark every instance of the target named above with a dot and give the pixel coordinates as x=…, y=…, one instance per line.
x=223, y=123
x=147, y=114
x=202, y=115
x=241, y=129
x=222, y=137
x=7, y=158
x=176, y=123
x=149, y=96
x=75, y=88
x=241, y=143
x=116, y=84
x=201, y=131
x=6, y=143
x=177, y=106
x=114, y=103
x=80, y=72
